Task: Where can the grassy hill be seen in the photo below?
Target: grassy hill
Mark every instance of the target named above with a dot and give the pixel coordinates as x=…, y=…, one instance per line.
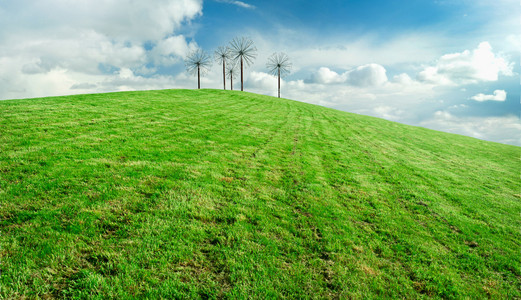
x=219, y=194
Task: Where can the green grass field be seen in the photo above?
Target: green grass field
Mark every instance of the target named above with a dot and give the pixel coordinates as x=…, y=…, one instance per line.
x=219, y=194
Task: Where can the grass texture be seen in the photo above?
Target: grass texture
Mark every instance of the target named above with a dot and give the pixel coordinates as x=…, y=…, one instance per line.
x=218, y=194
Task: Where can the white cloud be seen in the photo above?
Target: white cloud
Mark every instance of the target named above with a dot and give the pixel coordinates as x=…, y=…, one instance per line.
x=478, y=65
x=238, y=3
x=369, y=75
x=263, y=82
x=171, y=50
x=402, y=78
x=326, y=76
x=386, y=100
x=127, y=20
x=505, y=129
x=50, y=47
x=431, y=75
x=389, y=113
x=126, y=80
x=499, y=95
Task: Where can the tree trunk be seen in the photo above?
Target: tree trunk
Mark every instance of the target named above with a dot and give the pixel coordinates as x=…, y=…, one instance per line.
x=242, y=82
x=224, y=74
x=231, y=81
x=279, y=82
x=198, y=78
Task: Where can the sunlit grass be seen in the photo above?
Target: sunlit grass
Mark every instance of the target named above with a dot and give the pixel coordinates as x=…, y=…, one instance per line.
x=219, y=194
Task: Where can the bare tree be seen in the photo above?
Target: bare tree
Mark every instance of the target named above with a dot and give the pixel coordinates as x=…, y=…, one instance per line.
x=198, y=63
x=243, y=50
x=279, y=65
x=221, y=55
x=231, y=72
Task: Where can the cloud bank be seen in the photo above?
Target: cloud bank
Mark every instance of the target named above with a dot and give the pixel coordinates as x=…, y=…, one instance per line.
x=498, y=129
x=52, y=48
x=369, y=75
x=467, y=67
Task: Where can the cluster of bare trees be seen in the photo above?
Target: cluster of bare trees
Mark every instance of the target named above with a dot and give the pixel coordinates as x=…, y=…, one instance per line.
x=240, y=53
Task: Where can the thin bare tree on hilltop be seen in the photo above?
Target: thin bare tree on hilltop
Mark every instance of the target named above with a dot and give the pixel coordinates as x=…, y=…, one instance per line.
x=221, y=55
x=198, y=63
x=231, y=73
x=244, y=52
x=279, y=65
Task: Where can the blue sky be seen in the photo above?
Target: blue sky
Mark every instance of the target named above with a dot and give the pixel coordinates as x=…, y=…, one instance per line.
x=333, y=17
x=447, y=65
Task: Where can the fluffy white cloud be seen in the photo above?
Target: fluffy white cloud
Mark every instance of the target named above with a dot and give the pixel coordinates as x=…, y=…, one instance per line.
x=117, y=19
x=389, y=113
x=478, y=65
x=499, y=95
x=262, y=82
x=126, y=80
x=505, y=129
x=403, y=78
x=326, y=76
x=369, y=75
x=171, y=50
x=386, y=100
x=83, y=52
x=51, y=47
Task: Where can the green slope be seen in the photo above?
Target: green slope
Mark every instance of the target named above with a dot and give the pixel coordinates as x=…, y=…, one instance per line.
x=219, y=194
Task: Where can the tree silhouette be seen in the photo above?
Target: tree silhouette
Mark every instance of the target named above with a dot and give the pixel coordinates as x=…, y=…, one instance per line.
x=243, y=50
x=278, y=64
x=231, y=72
x=221, y=55
x=198, y=63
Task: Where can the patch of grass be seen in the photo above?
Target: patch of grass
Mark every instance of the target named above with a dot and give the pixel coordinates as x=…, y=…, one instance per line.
x=219, y=194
